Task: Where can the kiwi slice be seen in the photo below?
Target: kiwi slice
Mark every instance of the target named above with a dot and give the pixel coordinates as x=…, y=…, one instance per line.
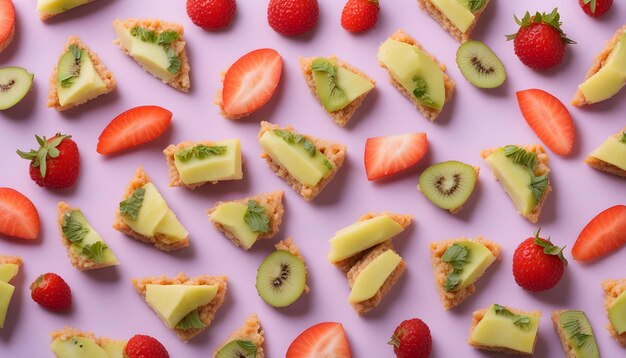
x=449, y=184
x=281, y=278
x=577, y=329
x=479, y=65
x=237, y=349
x=15, y=83
x=69, y=66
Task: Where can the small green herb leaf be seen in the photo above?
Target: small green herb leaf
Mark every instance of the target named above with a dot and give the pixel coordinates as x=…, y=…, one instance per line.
x=144, y=34
x=476, y=5
x=421, y=92
x=167, y=37
x=200, y=151
x=521, y=321
x=191, y=320
x=293, y=138
x=131, y=206
x=518, y=320
x=331, y=73
x=249, y=347
x=521, y=156
x=623, y=138
x=256, y=218
x=538, y=186
x=456, y=255
x=328, y=164
x=39, y=157
x=73, y=230
x=174, y=59
x=94, y=251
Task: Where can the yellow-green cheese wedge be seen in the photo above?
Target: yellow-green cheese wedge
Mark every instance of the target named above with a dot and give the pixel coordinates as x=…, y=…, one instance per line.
x=458, y=14
x=231, y=216
x=500, y=330
x=515, y=179
x=361, y=236
x=373, y=276
x=214, y=167
x=8, y=271
x=54, y=7
x=613, y=152
x=617, y=313
x=6, y=293
x=174, y=302
x=610, y=79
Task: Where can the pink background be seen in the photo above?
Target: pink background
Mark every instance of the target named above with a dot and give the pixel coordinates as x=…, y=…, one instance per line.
x=105, y=301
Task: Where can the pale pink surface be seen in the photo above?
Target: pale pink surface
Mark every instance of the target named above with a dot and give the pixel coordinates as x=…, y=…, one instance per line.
x=105, y=301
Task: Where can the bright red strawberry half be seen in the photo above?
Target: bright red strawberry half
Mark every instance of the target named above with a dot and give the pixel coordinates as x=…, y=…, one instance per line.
x=538, y=265
x=211, y=14
x=56, y=163
x=323, y=340
x=391, y=154
x=540, y=43
x=7, y=23
x=292, y=17
x=18, y=215
x=359, y=15
x=51, y=292
x=412, y=339
x=134, y=127
x=251, y=81
x=595, y=8
x=604, y=234
x=548, y=118
x=141, y=346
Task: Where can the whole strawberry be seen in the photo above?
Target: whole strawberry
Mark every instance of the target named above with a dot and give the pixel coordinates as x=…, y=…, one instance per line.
x=292, y=17
x=211, y=14
x=359, y=15
x=412, y=339
x=538, y=265
x=540, y=43
x=56, y=163
x=595, y=8
x=51, y=292
x=141, y=346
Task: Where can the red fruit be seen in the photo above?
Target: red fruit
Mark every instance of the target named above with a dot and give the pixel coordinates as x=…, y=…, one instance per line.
x=141, y=346
x=51, y=292
x=7, y=23
x=412, y=339
x=604, y=234
x=323, y=340
x=134, y=127
x=359, y=15
x=538, y=265
x=388, y=155
x=540, y=42
x=251, y=81
x=211, y=14
x=595, y=8
x=56, y=163
x=292, y=17
x=548, y=118
x=18, y=215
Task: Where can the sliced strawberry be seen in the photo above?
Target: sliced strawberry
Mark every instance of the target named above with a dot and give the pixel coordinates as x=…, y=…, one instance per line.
x=391, y=154
x=7, y=22
x=18, y=215
x=548, y=118
x=136, y=126
x=251, y=81
x=323, y=340
x=604, y=234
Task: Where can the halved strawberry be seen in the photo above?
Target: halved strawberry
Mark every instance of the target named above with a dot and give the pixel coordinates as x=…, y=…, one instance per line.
x=7, y=23
x=548, y=118
x=136, y=126
x=251, y=81
x=604, y=234
x=18, y=215
x=393, y=153
x=323, y=340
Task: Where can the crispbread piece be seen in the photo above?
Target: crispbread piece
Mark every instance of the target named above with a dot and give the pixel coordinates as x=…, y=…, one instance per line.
x=140, y=179
x=181, y=82
x=540, y=169
x=567, y=346
x=7, y=259
x=612, y=289
x=46, y=15
x=272, y=202
x=441, y=269
x=77, y=261
x=478, y=315
x=361, y=264
x=601, y=165
x=250, y=331
x=449, y=84
x=447, y=25
x=579, y=99
x=105, y=75
x=342, y=116
x=170, y=152
x=206, y=312
x=335, y=152
x=289, y=246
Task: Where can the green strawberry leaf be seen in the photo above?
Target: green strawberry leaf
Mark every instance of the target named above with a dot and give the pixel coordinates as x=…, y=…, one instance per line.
x=549, y=248
x=553, y=19
x=46, y=149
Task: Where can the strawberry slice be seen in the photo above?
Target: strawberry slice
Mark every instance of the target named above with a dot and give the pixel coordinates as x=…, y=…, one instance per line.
x=548, y=118
x=604, y=234
x=18, y=215
x=136, y=126
x=251, y=81
x=7, y=23
x=323, y=340
x=394, y=153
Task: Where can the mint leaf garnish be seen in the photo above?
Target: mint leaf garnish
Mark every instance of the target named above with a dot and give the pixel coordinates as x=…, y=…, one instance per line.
x=191, y=320
x=518, y=320
x=328, y=164
x=256, y=218
x=175, y=63
x=144, y=34
x=73, y=230
x=476, y=5
x=130, y=207
x=331, y=73
x=456, y=255
x=94, y=251
x=521, y=156
x=293, y=138
x=167, y=37
x=421, y=92
x=249, y=347
x=200, y=151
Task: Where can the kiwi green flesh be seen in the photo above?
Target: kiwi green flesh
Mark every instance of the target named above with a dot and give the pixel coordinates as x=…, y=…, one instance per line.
x=281, y=278
x=479, y=65
x=235, y=349
x=448, y=184
x=577, y=329
x=15, y=82
x=70, y=66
